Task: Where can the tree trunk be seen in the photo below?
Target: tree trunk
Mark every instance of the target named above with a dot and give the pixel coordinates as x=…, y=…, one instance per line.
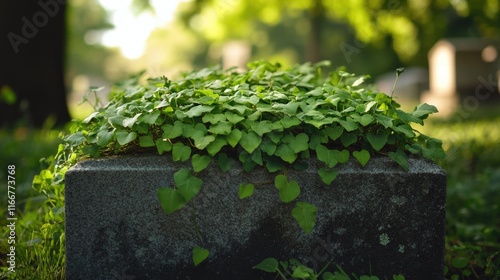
x=32, y=43
x=316, y=21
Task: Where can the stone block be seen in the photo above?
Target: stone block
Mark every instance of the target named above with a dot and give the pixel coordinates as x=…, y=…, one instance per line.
x=377, y=219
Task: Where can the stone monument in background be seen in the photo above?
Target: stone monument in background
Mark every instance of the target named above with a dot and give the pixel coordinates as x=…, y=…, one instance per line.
x=463, y=75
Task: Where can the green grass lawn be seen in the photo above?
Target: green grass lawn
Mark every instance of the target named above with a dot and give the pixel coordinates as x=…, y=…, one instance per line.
x=473, y=204
x=473, y=200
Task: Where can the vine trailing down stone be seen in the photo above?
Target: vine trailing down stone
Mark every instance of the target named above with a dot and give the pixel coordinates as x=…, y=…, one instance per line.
x=265, y=117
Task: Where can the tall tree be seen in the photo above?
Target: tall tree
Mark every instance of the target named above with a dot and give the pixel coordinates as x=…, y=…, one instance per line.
x=32, y=40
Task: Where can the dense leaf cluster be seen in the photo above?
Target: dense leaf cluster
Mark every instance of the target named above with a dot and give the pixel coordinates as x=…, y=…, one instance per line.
x=265, y=117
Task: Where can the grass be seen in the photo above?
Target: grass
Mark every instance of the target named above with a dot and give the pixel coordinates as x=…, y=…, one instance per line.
x=39, y=247
x=473, y=202
x=473, y=199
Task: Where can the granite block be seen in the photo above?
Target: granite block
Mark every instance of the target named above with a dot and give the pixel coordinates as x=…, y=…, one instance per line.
x=377, y=219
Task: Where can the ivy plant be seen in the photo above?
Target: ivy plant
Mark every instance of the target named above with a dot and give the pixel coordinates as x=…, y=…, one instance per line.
x=293, y=269
x=266, y=117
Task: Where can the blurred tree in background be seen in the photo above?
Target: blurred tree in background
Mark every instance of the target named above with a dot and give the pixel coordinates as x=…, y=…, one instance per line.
x=87, y=19
x=371, y=36
x=32, y=43
x=43, y=46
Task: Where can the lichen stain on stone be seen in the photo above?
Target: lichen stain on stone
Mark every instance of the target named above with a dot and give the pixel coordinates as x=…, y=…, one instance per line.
x=357, y=242
x=401, y=248
x=384, y=239
x=340, y=231
x=398, y=200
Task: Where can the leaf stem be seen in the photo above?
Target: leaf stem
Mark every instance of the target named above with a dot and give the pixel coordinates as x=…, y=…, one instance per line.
x=398, y=72
x=195, y=224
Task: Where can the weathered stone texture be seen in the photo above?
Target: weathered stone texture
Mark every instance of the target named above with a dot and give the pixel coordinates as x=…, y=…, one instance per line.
x=378, y=218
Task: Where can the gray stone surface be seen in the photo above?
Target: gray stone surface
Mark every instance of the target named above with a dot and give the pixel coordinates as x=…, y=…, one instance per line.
x=377, y=218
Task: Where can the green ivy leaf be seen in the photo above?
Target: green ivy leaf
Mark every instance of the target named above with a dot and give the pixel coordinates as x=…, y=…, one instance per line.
x=162, y=145
x=141, y=128
x=401, y=158
x=330, y=276
x=378, y=140
x=460, y=262
x=146, y=141
x=200, y=162
x=246, y=190
x=201, y=142
x=334, y=132
x=124, y=137
x=104, y=137
x=286, y=153
x=172, y=131
x=422, y=111
x=369, y=105
x=187, y=185
x=214, y=147
x=327, y=175
x=366, y=277
x=348, y=125
x=116, y=121
x=90, y=117
x=384, y=120
x=366, y=119
x=234, y=137
x=288, y=191
x=199, y=255
x=129, y=122
x=326, y=156
x=413, y=148
x=225, y=162
x=77, y=138
x=198, y=110
x=257, y=157
x=433, y=149
x=362, y=156
x=250, y=141
x=171, y=200
x=349, y=138
x=262, y=127
x=305, y=214
x=180, y=152
x=273, y=164
x=213, y=118
x=317, y=139
x=150, y=118
x=233, y=118
x=289, y=109
x=268, y=265
x=223, y=128
x=407, y=118
x=268, y=147
x=406, y=130
x=300, y=143
x=288, y=121
x=302, y=272
x=341, y=156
